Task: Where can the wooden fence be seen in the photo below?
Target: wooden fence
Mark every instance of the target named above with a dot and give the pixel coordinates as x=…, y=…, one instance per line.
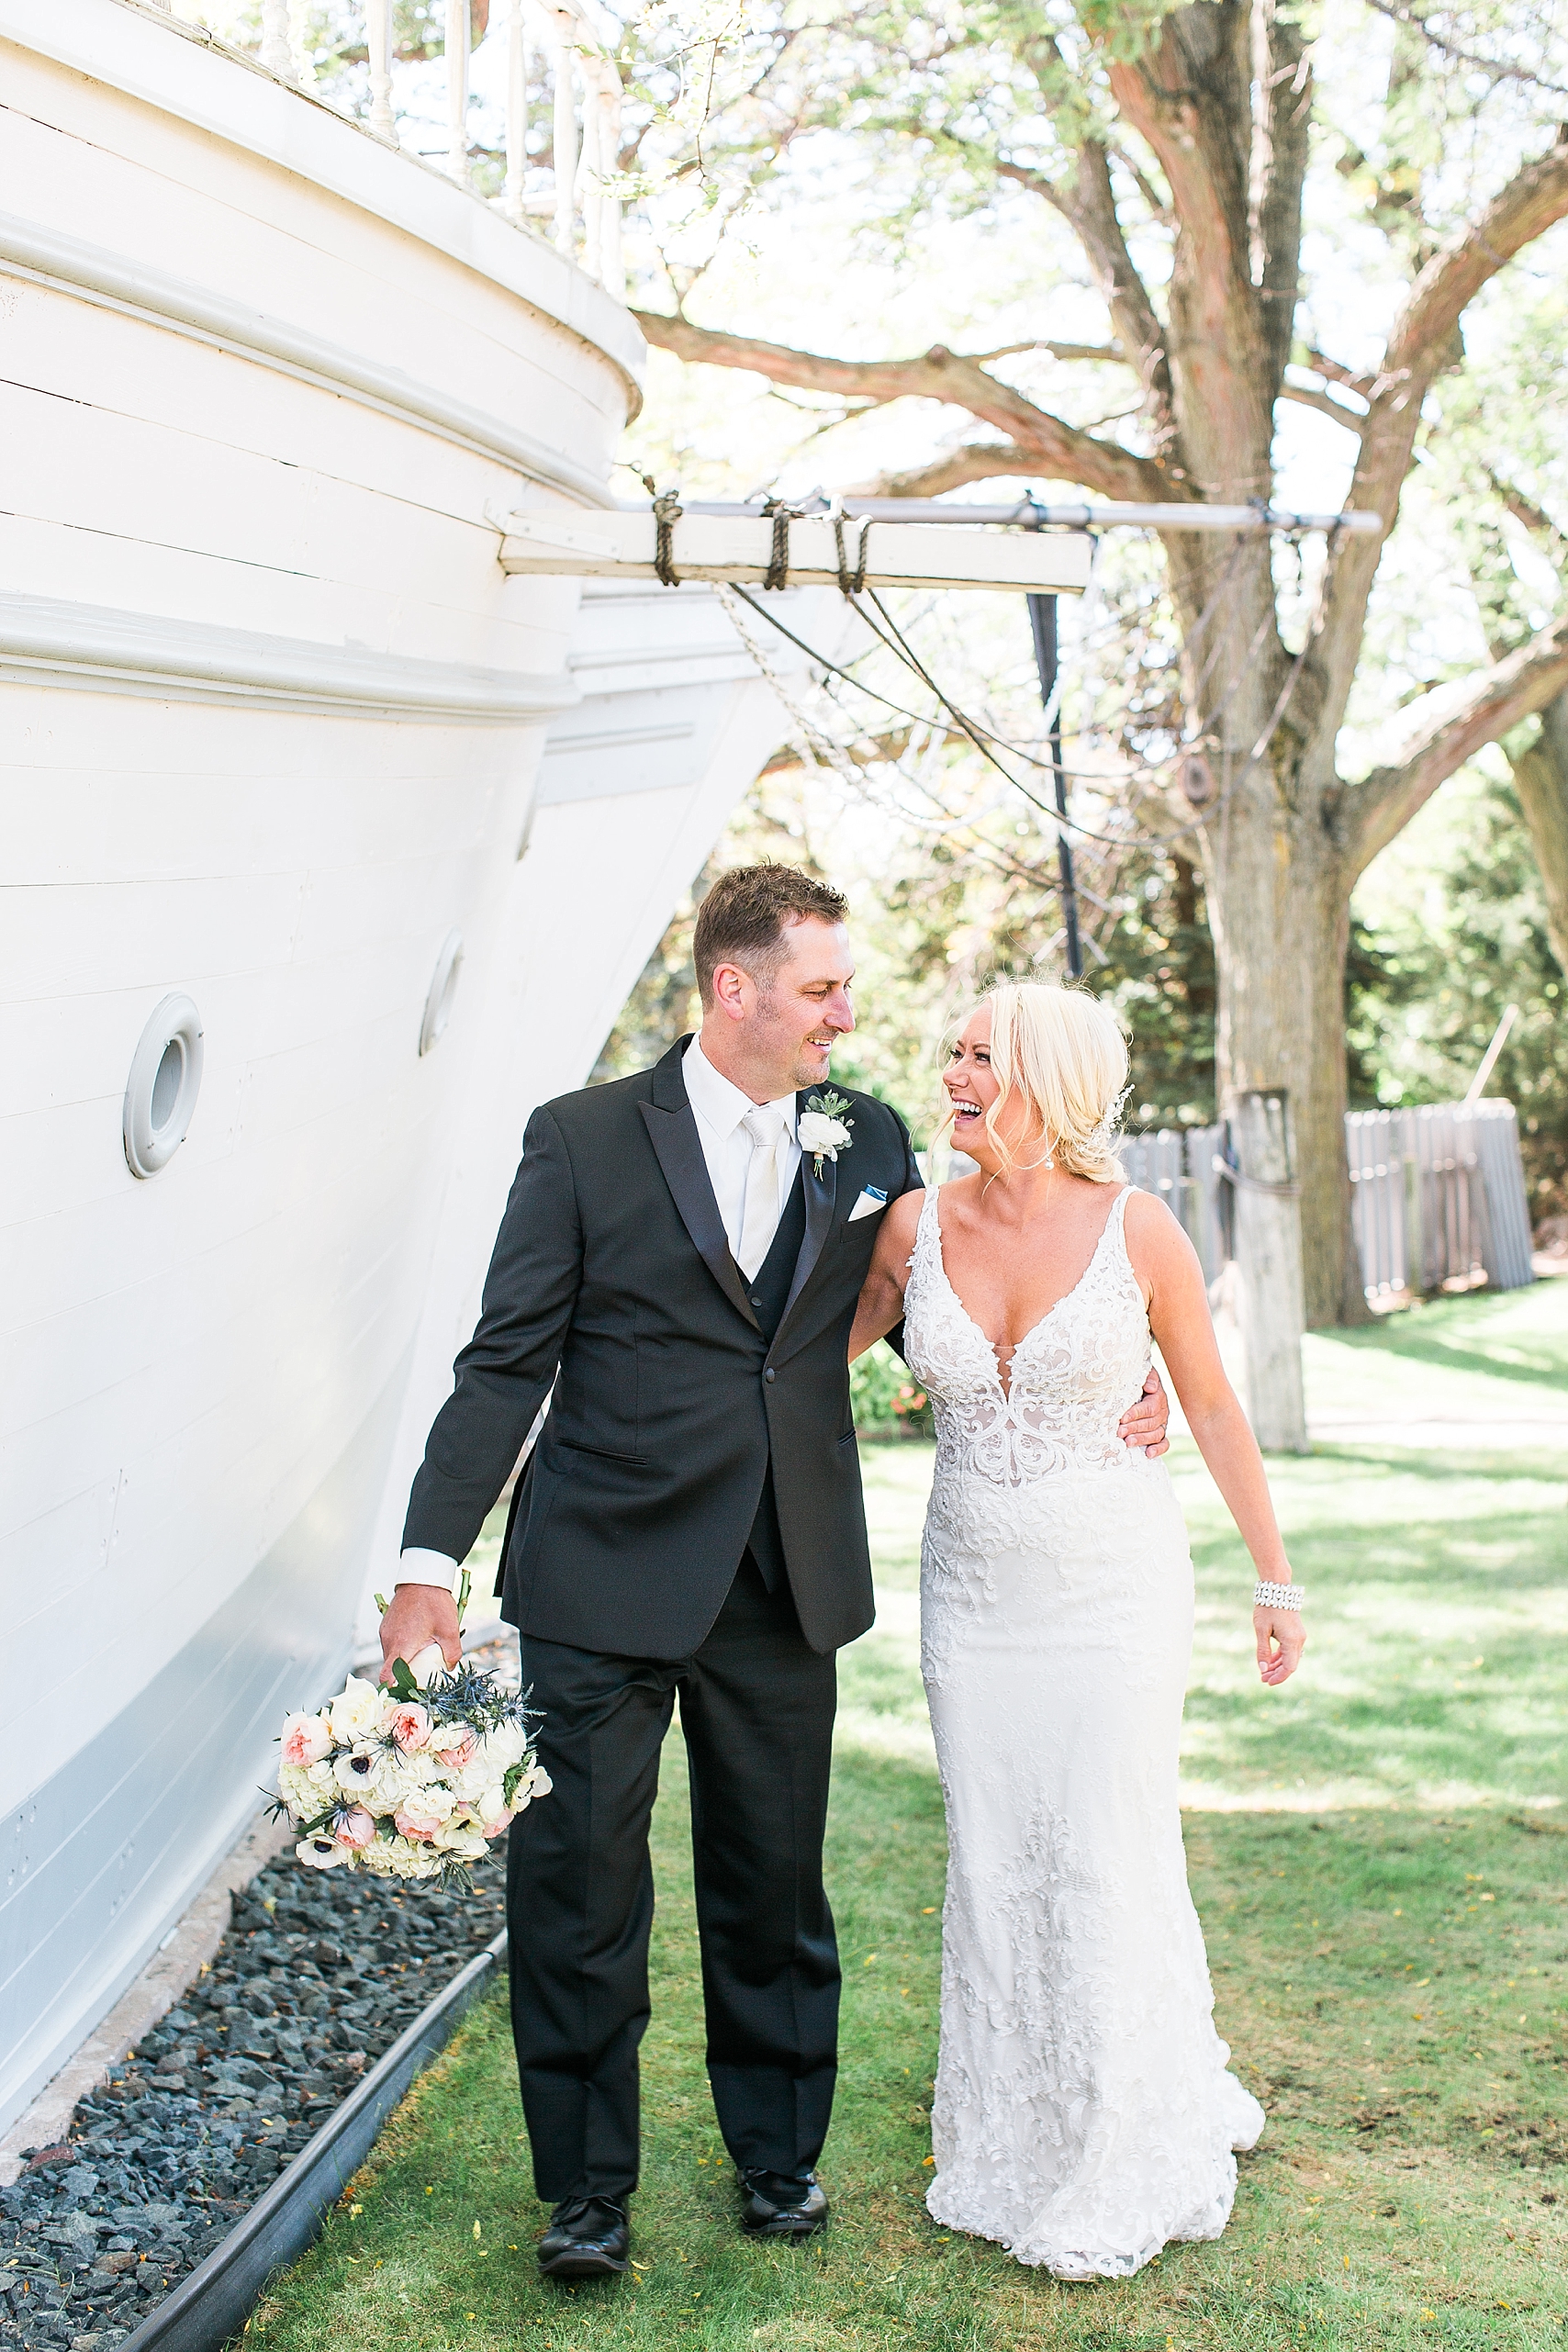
x=1438, y=1194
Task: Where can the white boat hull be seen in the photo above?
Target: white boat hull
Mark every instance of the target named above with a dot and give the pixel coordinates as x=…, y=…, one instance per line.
x=273, y=724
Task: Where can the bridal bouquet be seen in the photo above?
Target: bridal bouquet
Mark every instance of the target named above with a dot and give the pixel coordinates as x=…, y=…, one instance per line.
x=410, y=1780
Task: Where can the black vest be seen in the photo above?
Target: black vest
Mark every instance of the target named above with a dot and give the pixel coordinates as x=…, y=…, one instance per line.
x=768, y=1290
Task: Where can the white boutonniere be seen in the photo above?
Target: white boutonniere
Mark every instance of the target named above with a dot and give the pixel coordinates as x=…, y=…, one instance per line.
x=824, y=1131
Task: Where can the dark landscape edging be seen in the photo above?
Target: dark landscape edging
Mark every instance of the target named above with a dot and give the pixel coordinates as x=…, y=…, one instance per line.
x=212, y=2304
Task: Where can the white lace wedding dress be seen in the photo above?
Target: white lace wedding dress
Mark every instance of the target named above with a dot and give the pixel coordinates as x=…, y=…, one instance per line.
x=1084, y=2114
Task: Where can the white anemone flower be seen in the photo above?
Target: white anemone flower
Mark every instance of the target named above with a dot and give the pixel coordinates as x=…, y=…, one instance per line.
x=324, y=1853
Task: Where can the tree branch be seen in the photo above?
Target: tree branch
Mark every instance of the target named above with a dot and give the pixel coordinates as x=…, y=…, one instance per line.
x=1524, y=509
x=1422, y=339
x=1280, y=142
x=1187, y=98
x=1495, y=700
x=1534, y=198
x=1159, y=206
x=1050, y=444
x=1111, y=352
x=977, y=461
x=1088, y=207
x=1333, y=371
x=1326, y=405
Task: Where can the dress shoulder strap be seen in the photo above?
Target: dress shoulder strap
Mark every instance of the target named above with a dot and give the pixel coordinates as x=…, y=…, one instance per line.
x=929, y=1229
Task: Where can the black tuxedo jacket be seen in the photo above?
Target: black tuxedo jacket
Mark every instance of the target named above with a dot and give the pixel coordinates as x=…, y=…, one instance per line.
x=612, y=1282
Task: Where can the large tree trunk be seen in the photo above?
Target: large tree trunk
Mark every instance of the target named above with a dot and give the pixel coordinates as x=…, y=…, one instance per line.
x=1541, y=775
x=1279, y=899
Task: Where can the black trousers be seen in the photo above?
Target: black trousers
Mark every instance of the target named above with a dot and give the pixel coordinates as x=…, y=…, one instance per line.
x=756, y=1708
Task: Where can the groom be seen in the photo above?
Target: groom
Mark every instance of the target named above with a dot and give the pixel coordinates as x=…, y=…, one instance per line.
x=676, y=1272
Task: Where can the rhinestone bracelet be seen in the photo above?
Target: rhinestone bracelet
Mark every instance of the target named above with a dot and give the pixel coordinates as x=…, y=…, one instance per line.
x=1270, y=1596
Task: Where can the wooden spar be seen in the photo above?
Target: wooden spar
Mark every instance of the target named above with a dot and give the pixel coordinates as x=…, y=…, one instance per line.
x=740, y=547
x=1179, y=515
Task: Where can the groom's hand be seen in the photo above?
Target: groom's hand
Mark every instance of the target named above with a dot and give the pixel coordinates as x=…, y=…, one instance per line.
x=419, y=1614
x=1143, y=1424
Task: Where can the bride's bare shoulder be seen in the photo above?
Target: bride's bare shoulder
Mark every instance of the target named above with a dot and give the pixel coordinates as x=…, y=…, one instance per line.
x=1154, y=1234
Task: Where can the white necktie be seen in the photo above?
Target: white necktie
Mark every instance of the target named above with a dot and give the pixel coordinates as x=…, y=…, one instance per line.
x=759, y=1211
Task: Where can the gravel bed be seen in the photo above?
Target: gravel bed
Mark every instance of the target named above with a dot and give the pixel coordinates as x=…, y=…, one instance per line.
x=318, y=1974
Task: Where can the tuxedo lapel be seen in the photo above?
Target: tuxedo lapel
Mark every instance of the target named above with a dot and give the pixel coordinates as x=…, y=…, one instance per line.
x=821, y=1193
x=672, y=1130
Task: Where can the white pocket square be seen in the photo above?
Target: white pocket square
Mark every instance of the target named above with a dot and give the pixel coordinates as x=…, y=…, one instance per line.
x=870, y=1201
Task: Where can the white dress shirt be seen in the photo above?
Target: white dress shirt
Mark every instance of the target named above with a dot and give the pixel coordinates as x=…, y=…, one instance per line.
x=719, y=1108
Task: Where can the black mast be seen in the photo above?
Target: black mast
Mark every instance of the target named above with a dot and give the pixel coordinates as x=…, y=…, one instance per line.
x=1043, y=622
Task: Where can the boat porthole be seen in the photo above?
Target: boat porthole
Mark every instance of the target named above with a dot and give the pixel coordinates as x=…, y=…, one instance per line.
x=161, y=1092
x=442, y=990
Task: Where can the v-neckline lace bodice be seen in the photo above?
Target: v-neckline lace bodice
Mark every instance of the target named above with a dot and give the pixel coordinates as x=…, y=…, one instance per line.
x=1072, y=1377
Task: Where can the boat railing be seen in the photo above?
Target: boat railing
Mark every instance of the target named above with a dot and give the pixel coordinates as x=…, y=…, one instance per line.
x=560, y=64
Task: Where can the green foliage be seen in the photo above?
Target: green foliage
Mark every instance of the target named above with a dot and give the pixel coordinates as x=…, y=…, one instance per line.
x=885, y=1401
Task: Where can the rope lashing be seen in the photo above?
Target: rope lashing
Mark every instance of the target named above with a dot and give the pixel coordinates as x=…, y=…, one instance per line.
x=851, y=583
x=777, y=573
x=667, y=514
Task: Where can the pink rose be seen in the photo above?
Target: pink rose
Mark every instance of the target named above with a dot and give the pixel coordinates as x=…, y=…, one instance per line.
x=411, y=1726
x=458, y=1746
x=356, y=1828
x=416, y=1821
x=306, y=1740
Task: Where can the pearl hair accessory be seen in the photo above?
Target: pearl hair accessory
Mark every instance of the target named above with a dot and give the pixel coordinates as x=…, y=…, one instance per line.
x=1103, y=1134
x=1271, y=1596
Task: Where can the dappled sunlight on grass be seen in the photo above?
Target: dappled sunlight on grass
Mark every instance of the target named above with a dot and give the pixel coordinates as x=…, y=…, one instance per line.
x=1446, y=1355
x=1437, y=1605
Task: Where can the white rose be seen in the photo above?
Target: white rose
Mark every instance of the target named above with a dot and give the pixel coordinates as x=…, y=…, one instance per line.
x=822, y=1137
x=493, y=1810
x=356, y=1711
x=502, y=1748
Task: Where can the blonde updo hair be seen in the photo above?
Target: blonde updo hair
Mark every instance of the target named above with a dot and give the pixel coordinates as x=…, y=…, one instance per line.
x=1063, y=1051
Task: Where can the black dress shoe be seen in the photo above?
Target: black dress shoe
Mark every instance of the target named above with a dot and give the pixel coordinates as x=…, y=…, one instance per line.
x=588, y=2238
x=779, y=2204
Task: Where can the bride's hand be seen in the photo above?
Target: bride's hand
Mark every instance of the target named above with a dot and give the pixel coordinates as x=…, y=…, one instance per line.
x=1281, y=1638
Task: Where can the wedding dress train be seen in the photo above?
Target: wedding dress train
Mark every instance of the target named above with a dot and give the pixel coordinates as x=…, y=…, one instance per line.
x=1083, y=2113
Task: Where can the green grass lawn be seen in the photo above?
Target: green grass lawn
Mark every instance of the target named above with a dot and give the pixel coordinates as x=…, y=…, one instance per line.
x=1379, y=1857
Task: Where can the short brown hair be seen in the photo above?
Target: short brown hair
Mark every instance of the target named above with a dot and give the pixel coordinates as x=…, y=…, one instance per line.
x=743, y=918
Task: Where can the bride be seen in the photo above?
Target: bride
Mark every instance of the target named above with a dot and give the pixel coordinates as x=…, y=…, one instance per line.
x=1083, y=2113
